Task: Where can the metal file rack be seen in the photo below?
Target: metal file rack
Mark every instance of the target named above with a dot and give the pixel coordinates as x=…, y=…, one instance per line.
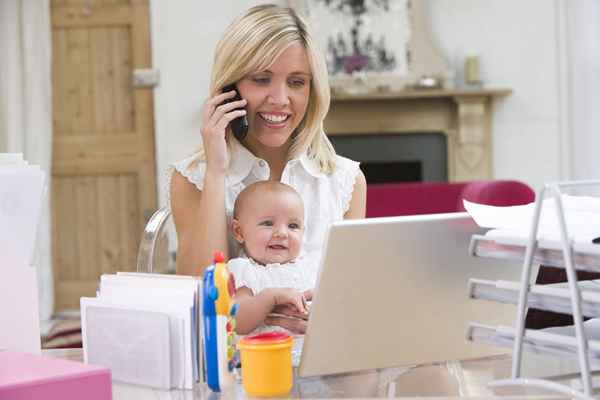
x=569, y=298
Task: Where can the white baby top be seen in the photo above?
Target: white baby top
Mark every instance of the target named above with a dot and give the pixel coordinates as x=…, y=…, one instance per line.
x=326, y=197
x=257, y=277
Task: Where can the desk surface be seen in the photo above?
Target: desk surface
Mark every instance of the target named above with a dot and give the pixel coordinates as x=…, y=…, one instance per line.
x=458, y=379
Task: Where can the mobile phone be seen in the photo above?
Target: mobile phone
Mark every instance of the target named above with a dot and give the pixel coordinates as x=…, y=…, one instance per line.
x=239, y=126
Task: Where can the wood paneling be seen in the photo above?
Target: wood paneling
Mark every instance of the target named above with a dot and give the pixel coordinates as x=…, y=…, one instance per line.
x=103, y=147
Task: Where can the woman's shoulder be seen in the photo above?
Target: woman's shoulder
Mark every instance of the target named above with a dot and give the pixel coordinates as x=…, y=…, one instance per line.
x=344, y=178
x=192, y=168
x=345, y=172
x=345, y=165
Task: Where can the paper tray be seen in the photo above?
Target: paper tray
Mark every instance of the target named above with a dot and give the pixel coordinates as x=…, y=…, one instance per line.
x=554, y=298
x=549, y=253
x=534, y=341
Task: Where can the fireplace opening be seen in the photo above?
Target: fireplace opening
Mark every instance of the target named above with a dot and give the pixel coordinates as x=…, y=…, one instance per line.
x=406, y=157
x=382, y=172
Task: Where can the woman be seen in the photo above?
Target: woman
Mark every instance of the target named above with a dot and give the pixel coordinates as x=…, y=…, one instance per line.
x=270, y=55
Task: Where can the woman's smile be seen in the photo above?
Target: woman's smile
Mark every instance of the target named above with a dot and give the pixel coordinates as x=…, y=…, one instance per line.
x=274, y=120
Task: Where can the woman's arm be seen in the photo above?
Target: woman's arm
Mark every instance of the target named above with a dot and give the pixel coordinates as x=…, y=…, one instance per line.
x=199, y=216
x=200, y=222
x=358, y=203
x=253, y=310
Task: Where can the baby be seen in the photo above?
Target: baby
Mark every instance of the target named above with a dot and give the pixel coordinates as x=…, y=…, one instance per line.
x=268, y=222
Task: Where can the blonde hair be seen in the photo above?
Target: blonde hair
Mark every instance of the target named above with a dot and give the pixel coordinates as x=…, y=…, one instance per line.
x=252, y=43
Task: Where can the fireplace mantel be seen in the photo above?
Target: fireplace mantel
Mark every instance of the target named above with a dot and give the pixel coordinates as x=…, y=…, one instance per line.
x=464, y=116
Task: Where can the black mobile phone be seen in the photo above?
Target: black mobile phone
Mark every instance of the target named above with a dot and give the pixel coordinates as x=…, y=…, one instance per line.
x=239, y=126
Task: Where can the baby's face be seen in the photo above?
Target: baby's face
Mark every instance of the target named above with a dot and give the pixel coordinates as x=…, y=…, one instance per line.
x=272, y=225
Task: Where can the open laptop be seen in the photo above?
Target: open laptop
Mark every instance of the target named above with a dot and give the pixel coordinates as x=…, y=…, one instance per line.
x=393, y=291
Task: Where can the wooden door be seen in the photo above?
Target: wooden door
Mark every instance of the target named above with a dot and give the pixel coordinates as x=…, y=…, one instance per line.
x=103, y=173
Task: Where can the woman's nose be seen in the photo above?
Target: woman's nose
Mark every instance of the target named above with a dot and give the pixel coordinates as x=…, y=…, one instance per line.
x=278, y=95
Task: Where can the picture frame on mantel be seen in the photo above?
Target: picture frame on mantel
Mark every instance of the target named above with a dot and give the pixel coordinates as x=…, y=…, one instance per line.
x=376, y=46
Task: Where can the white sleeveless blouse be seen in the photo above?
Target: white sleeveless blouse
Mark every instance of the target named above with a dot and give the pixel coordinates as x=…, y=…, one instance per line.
x=326, y=197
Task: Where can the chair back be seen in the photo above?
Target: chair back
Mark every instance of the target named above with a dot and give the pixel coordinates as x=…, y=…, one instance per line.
x=153, y=253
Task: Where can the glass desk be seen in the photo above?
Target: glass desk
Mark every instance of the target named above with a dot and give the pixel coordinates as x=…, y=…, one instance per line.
x=449, y=380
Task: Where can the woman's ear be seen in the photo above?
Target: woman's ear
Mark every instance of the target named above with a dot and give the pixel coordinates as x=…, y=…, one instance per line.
x=237, y=231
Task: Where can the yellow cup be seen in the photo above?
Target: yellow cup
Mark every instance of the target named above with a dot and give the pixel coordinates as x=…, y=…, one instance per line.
x=267, y=364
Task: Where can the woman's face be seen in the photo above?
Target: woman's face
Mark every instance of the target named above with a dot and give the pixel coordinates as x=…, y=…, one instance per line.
x=277, y=100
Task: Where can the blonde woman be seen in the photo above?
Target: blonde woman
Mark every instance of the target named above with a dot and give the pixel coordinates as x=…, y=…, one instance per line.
x=269, y=55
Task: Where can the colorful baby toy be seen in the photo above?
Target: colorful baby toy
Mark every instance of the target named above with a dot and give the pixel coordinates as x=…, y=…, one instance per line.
x=219, y=324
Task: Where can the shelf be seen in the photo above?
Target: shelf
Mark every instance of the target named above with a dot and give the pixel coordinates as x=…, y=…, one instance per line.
x=554, y=298
x=549, y=253
x=535, y=341
x=420, y=94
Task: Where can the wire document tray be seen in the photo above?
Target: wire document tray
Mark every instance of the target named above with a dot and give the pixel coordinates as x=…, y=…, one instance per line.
x=574, y=298
x=555, y=298
x=586, y=257
x=535, y=341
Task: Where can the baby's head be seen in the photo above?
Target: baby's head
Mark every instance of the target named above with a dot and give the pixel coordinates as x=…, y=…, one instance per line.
x=268, y=220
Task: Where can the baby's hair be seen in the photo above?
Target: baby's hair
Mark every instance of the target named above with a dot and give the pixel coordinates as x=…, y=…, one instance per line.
x=262, y=187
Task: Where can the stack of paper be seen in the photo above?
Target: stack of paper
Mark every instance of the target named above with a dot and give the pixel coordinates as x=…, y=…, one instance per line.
x=21, y=192
x=145, y=328
x=582, y=218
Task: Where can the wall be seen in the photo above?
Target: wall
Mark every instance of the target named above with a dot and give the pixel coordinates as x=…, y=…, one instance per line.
x=183, y=41
x=516, y=41
x=582, y=32
x=517, y=45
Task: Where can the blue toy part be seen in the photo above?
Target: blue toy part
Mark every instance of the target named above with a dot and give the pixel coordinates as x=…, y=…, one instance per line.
x=219, y=326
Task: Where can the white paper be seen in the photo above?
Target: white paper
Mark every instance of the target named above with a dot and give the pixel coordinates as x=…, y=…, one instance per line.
x=174, y=296
x=19, y=317
x=134, y=344
x=21, y=192
x=12, y=159
x=582, y=216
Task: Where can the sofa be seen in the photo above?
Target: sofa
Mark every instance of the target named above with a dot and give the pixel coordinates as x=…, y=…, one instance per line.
x=393, y=199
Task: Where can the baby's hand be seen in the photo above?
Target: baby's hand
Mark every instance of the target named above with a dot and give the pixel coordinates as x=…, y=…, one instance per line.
x=290, y=297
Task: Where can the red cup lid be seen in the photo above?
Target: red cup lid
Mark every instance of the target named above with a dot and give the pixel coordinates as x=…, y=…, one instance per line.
x=267, y=338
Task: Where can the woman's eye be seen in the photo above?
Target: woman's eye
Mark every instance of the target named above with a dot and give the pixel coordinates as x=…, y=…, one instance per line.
x=297, y=83
x=261, y=80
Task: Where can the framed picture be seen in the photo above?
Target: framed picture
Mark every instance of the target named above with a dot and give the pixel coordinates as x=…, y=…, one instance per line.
x=372, y=45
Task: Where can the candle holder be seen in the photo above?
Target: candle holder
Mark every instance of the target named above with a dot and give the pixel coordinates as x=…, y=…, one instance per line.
x=472, y=72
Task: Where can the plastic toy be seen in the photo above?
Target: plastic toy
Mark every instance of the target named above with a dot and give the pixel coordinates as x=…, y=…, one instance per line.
x=219, y=324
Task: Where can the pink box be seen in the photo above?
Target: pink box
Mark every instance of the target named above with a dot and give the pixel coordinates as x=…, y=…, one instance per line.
x=28, y=376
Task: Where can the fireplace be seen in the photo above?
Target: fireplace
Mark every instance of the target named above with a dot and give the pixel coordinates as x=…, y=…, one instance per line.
x=404, y=157
x=378, y=129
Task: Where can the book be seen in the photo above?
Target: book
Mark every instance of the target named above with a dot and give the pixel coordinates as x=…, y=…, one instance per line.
x=31, y=376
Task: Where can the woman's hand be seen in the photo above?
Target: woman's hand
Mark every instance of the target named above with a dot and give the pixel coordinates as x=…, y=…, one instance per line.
x=296, y=326
x=216, y=116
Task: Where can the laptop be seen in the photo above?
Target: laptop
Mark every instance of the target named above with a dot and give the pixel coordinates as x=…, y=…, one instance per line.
x=393, y=292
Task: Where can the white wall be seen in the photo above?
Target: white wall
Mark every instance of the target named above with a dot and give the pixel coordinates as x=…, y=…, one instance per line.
x=516, y=41
x=517, y=45
x=184, y=34
x=583, y=31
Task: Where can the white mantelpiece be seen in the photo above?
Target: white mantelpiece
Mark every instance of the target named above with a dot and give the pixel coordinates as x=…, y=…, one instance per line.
x=464, y=116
